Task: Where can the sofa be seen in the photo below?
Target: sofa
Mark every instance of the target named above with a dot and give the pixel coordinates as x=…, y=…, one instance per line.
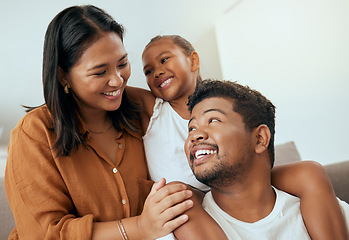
x=284, y=153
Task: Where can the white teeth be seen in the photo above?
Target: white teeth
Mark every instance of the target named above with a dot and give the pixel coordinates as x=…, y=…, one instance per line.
x=202, y=152
x=115, y=93
x=164, y=83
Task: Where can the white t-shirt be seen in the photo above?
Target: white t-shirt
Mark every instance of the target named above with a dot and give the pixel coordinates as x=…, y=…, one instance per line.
x=164, y=146
x=284, y=222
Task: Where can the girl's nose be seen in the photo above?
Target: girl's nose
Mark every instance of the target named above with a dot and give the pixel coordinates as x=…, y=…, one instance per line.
x=159, y=72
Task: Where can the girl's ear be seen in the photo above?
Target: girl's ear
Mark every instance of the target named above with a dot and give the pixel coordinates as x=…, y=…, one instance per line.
x=195, y=61
x=262, y=134
x=62, y=77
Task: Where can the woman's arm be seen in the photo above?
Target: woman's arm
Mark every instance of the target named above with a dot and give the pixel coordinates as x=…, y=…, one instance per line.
x=200, y=224
x=321, y=212
x=162, y=214
x=41, y=202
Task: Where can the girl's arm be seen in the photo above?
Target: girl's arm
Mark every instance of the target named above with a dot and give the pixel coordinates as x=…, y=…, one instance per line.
x=145, y=100
x=321, y=212
x=200, y=224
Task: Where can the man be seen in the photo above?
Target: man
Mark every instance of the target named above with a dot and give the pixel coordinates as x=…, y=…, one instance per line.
x=230, y=147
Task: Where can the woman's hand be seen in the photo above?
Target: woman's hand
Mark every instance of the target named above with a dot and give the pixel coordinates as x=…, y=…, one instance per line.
x=163, y=209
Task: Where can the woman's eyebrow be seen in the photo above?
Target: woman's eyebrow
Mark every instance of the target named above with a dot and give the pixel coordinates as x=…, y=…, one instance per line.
x=103, y=64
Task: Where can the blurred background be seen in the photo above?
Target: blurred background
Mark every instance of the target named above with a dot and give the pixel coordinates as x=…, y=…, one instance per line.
x=295, y=52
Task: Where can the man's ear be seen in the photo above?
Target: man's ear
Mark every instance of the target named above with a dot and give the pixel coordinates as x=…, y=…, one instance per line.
x=62, y=77
x=262, y=134
x=195, y=61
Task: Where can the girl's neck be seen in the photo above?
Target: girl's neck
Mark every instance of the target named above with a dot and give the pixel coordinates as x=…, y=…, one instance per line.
x=180, y=104
x=181, y=108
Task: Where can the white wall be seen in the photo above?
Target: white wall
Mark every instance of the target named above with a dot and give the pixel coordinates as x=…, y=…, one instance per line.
x=296, y=53
x=23, y=24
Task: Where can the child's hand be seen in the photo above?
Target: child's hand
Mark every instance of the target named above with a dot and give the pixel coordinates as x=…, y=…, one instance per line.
x=162, y=209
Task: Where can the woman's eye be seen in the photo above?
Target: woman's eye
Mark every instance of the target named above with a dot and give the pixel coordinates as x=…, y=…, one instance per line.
x=100, y=73
x=164, y=60
x=123, y=64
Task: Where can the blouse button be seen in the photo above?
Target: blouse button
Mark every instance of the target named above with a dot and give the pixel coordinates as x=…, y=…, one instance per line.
x=123, y=201
x=120, y=145
x=115, y=170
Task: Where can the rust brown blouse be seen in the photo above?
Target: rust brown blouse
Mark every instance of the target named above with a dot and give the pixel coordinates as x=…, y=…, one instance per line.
x=60, y=197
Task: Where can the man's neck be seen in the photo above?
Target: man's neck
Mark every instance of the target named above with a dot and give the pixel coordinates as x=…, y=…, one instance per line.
x=247, y=203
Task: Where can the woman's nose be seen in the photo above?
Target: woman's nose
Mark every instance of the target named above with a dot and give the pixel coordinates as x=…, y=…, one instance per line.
x=116, y=80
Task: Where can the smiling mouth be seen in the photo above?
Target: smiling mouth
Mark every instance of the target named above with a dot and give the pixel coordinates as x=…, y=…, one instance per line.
x=199, y=154
x=164, y=83
x=114, y=93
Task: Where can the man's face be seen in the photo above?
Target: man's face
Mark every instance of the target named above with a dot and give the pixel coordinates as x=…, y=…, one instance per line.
x=218, y=146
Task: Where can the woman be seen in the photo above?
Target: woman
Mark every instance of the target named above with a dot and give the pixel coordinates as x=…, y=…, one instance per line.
x=76, y=167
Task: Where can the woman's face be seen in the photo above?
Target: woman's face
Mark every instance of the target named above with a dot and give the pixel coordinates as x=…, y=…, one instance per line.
x=99, y=77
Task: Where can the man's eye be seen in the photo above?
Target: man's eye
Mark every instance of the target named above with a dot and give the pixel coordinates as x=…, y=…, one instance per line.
x=164, y=60
x=191, y=129
x=213, y=120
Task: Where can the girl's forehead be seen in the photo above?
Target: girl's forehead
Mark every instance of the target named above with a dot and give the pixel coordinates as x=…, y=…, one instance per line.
x=161, y=44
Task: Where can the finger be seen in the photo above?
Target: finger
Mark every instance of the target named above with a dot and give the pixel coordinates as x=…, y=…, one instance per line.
x=173, y=224
x=176, y=210
x=174, y=199
x=157, y=185
x=168, y=190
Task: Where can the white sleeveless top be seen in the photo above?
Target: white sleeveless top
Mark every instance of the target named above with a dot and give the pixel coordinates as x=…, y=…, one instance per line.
x=164, y=146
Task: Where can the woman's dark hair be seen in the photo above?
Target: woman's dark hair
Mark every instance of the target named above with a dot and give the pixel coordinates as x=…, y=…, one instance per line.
x=68, y=35
x=181, y=42
x=254, y=108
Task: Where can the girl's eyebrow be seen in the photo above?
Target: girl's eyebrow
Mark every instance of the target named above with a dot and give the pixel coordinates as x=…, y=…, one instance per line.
x=164, y=53
x=103, y=64
x=159, y=55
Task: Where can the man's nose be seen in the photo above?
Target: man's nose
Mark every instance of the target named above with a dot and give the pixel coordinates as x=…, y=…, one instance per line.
x=198, y=135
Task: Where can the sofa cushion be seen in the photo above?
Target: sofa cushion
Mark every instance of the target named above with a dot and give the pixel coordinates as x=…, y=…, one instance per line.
x=339, y=175
x=7, y=222
x=286, y=153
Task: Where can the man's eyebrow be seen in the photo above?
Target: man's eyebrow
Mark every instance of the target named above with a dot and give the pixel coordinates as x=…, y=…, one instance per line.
x=190, y=120
x=215, y=110
x=207, y=111
x=103, y=64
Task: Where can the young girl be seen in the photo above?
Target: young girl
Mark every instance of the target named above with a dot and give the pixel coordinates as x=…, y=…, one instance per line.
x=171, y=67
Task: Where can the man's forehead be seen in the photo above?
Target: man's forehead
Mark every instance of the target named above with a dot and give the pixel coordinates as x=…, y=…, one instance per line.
x=213, y=104
x=219, y=103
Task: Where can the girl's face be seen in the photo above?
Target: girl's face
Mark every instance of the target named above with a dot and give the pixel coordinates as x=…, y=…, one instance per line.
x=99, y=77
x=169, y=72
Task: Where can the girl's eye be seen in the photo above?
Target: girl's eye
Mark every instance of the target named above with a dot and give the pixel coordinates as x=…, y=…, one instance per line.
x=164, y=60
x=147, y=72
